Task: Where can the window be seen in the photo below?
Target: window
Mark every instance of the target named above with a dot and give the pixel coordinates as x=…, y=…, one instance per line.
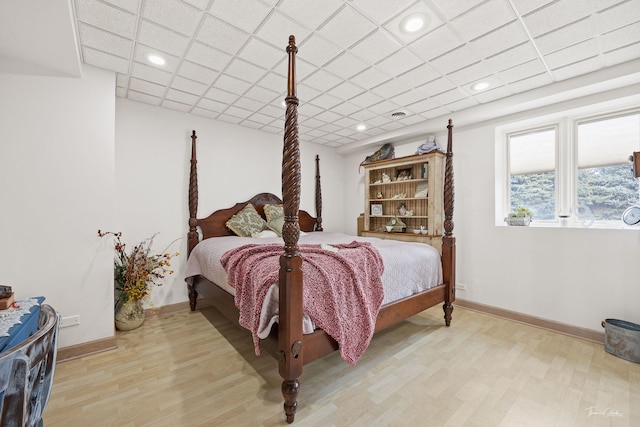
x=532, y=172
x=574, y=168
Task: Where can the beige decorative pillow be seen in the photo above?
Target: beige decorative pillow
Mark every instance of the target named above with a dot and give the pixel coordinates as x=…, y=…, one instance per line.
x=246, y=222
x=273, y=212
x=276, y=225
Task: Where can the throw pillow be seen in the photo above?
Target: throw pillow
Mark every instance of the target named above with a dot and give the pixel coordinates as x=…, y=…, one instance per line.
x=273, y=212
x=246, y=222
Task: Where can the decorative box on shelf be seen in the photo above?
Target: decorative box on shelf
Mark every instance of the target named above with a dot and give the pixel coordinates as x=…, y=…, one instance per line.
x=518, y=220
x=5, y=303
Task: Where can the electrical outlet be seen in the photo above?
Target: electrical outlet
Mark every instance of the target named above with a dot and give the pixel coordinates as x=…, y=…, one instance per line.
x=461, y=287
x=70, y=321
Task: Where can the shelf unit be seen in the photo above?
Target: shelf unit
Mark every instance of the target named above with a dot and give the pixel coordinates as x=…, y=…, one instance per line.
x=383, y=197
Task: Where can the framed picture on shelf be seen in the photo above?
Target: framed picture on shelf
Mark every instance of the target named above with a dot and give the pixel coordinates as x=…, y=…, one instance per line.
x=422, y=190
x=376, y=209
x=403, y=174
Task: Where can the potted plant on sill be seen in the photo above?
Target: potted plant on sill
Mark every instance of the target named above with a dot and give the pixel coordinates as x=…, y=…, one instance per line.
x=520, y=216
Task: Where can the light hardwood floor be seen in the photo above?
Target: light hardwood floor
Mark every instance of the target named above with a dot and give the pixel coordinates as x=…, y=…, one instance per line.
x=197, y=369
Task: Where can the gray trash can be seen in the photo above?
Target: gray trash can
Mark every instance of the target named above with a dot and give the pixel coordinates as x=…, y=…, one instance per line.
x=622, y=339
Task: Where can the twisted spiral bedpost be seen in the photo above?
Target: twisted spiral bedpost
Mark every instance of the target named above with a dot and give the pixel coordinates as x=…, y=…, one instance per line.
x=448, y=241
x=192, y=236
x=290, y=280
x=318, y=226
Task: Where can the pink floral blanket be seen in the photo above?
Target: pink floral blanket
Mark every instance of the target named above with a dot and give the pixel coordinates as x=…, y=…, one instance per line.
x=342, y=290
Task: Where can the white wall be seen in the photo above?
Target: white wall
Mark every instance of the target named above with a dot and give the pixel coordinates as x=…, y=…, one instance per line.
x=234, y=164
x=57, y=190
x=570, y=275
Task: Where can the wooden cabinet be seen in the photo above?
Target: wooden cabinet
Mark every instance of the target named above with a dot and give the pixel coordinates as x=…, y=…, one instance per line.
x=409, y=189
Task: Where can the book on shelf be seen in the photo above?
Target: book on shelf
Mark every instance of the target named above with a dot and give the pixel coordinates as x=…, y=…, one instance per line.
x=422, y=190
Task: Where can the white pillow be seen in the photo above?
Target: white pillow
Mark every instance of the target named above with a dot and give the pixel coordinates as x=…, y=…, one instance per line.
x=264, y=234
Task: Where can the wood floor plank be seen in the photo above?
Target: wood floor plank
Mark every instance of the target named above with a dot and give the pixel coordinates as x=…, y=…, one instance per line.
x=197, y=369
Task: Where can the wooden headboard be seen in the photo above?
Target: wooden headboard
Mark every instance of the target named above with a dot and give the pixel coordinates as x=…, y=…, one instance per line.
x=215, y=224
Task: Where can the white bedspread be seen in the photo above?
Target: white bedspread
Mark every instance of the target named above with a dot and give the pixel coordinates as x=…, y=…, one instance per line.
x=409, y=268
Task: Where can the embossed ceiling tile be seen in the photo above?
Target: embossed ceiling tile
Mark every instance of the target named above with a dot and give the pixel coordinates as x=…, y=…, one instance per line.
x=448, y=97
x=197, y=72
x=346, y=65
x=260, y=53
x=523, y=7
x=499, y=40
x=162, y=39
x=624, y=36
x=362, y=115
x=410, y=97
x=238, y=112
x=211, y=105
x=566, y=36
x=424, y=105
x=106, y=17
x=308, y=110
x=483, y=19
x=105, y=60
x=208, y=57
x=345, y=109
x=436, y=86
x=451, y=9
x=244, y=70
x=436, y=112
x=221, y=95
x=200, y=4
x=346, y=90
x=470, y=74
x=121, y=92
x=419, y=75
x=151, y=74
x=399, y=63
x=105, y=41
x=231, y=84
x=143, y=97
x=317, y=50
x=577, y=68
x=277, y=29
x=311, y=13
x=622, y=54
x=346, y=122
x=322, y=80
x=328, y=116
x=229, y=119
x=531, y=83
x=147, y=87
x=384, y=108
x=436, y=43
x=129, y=5
x=251, y=124
x=519, y=72
x=462, y=104
x=347, y=27
x=173, y=14
x=493, y=94
x=375, y=47
x=325, y=101
x=221, y=35
x=366, y=99
x=380, y=11
x=261, y=94
x=391, y=88
x=512, y=57
x=246, y=14
x=190, y=86
x=455, y=60
x=204, y=113
x=178, y=106
x=305, y=93
x=556, y=15
x=618, y=16
x=180, y=96
x=370, y=78
x=572, y=54
x=261, y=118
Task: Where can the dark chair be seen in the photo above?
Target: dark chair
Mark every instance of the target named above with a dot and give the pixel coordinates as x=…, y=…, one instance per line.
x=26, y=373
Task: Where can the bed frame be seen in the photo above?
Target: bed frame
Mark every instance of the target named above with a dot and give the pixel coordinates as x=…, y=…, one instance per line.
x=290, y=347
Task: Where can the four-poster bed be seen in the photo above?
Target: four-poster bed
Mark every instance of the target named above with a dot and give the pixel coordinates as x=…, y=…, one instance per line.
x=286, y=340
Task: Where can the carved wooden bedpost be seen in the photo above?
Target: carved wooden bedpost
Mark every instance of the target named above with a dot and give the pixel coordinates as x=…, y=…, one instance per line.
x=192, y=236
x=290, y=281
x=318, y=226
x=448, y=241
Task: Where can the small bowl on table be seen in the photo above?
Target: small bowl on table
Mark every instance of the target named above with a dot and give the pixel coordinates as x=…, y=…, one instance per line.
x=416, y=231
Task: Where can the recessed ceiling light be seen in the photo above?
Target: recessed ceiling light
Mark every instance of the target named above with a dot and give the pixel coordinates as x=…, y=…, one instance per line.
x=156, y=59
x=481, y=85
x=361, y=127
x=414, y=23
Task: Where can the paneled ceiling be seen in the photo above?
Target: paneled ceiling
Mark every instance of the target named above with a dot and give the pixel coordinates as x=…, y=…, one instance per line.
x=225, y=59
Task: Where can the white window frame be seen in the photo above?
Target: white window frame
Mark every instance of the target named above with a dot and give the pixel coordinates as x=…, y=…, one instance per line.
x=566, y=165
